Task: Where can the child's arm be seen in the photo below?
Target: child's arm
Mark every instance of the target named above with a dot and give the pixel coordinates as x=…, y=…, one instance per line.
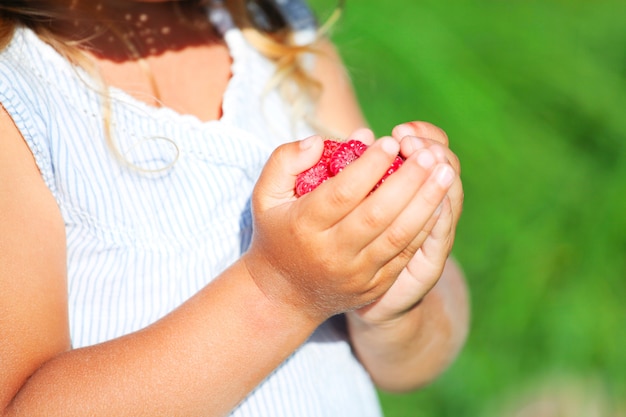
x=424, y=326
x=402, y=341
x=306, y=263
x=202, y=359
x=414, y=349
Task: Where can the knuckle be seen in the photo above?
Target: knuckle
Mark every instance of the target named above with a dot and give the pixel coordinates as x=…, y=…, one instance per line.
x=297, y=228
x=432, y=196
x=374, y=217
x=398, y=238
x=407, y=253
x=340, y=195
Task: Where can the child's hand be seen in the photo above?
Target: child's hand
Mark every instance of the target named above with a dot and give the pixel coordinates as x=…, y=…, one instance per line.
x=425, y=268
x=422, y=134
x=336, y=248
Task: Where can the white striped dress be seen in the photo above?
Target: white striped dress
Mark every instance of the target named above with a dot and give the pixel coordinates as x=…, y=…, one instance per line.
x=141, y=243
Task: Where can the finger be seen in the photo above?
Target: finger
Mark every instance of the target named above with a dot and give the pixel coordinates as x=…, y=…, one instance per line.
x=444, y=209
x=435, y=139
x=364, y=135
x=342, y=193
x=276, y=182
x=382, y=207
x=445, y=155
x=435, y=250
x=456, y=196
x=438, y=244
x=407, y=226
x=411, y=144
x=424, y=233
x=420, y=129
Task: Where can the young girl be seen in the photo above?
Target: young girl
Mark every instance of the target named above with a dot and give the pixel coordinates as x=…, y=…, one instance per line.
x=154, y=259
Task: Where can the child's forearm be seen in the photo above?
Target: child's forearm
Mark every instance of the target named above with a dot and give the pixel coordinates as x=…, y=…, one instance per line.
x=417, y=347
x=202, y=359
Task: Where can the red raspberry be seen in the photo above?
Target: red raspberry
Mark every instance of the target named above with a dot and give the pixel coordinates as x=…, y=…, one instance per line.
x=310, y=179
x=345, y=153
x=393, y=168
x=335, y=157
x=329, y=147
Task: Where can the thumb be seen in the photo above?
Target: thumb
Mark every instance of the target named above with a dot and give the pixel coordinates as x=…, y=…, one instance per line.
x=277, y=181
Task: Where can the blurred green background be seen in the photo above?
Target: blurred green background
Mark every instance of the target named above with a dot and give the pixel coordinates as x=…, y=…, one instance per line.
x=533, y=97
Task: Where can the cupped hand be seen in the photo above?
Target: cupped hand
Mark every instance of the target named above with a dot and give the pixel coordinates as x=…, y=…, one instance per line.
x=434, y=243
x=340, y=247
x=423, y=134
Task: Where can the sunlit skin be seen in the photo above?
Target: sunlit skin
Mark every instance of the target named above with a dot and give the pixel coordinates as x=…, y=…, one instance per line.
x=385, y=265
x=163, y=53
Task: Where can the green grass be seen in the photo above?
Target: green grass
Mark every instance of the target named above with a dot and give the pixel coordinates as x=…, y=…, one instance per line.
x=533, y=97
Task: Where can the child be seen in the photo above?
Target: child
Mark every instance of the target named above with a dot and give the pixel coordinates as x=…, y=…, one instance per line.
x=154, y=259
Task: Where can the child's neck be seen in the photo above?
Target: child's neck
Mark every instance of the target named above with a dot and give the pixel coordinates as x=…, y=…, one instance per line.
x=145, y=48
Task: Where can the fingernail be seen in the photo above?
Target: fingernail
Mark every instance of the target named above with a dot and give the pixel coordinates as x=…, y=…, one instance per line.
x=417, y=143
x=403, y=130
x=389, y=145
x=444, y=174
x=307, y=142
x=425, y=159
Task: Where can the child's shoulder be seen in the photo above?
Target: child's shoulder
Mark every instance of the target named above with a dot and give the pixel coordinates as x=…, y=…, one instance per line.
x=32, y=69
x=26, y=54
x=35, y=83
x=35, y=78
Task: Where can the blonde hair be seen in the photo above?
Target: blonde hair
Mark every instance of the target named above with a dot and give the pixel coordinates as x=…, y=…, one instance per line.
x=294, y=82
x=292, y=78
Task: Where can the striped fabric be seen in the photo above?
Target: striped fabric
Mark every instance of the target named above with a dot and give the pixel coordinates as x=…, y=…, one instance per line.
x=141, y=242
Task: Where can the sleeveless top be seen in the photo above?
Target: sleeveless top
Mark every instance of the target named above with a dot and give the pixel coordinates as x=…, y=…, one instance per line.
x=141, y=242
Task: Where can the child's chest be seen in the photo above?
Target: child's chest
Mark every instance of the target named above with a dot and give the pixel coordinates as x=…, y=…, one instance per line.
x=191, y=81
